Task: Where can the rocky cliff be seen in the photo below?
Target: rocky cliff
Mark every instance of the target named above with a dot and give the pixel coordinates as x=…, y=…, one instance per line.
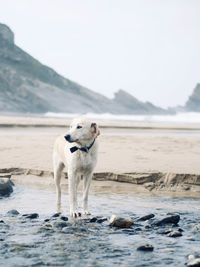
x=193, y=103
x=26, y=85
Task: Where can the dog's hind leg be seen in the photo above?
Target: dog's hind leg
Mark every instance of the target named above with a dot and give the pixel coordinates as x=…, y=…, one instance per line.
x=58, y=167
x=86, y=187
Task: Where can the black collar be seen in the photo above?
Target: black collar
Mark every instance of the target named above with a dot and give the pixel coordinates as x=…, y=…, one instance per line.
x=85, y=149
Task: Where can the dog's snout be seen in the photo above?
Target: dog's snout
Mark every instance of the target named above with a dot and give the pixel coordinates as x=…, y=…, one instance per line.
x=68, y=137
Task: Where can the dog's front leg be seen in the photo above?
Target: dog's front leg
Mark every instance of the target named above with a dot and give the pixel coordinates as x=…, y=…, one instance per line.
x=86, y=187
x=72, y=194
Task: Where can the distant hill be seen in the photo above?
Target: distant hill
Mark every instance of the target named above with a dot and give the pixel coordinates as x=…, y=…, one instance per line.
x=193, y=103
x=26, y=85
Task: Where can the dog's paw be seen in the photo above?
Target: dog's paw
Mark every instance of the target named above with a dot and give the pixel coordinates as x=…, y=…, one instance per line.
x=75, y=214
x=86, y=212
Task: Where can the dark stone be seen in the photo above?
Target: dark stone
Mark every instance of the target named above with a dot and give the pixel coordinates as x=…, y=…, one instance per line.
x=174, y=219
x=46, y=220
x=164, y=232
x=1, y=239
x=145, y=247
x=6, y=187
x=147, y=217
x=1, y=221
x=12, y=213
x=31, y=215
x=63, y=218
x=102, y=220
x=174, y=234
x=94, y=219
x=56, y=215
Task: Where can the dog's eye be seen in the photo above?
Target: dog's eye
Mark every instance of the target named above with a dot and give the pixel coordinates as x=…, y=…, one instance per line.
x=78, y=127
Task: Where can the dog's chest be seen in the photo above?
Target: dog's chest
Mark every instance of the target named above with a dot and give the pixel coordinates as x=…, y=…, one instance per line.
x=84, y=162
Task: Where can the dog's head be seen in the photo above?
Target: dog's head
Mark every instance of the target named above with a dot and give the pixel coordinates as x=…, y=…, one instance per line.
x=82, y=130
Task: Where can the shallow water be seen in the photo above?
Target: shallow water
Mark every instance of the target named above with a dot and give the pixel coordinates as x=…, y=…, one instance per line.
x=27, y=242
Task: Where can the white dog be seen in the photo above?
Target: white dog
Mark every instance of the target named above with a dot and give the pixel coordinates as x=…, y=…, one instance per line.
x=77, y=151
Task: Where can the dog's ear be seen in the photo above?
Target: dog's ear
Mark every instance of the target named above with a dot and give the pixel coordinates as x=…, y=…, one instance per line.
x=95, y=128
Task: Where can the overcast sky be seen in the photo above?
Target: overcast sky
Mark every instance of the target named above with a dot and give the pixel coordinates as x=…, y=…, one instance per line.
x=150, y=48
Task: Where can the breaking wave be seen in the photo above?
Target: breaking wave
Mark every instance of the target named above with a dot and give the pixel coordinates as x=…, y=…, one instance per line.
x=184, y=117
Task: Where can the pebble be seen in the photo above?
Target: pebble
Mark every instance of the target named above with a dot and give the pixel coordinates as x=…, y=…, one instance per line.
x=31, y=215
x=103, y=219
x=145, y=247
x=174, y=219
x=98, y=219
x=175, y=234
x=6, y=186
x=164, y=232
x=120, y=222
x=12, y=213
x=147, y=217
x=56, y=215
x=94, y=219
x=63, y=218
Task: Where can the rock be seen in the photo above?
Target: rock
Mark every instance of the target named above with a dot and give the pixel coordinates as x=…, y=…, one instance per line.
x=174, y=234
x=31, y=215
x=6, y=34
x=56, y=215
x=59, y=224
x=63, y=218
x=120, y=222
x=98, y=219
x=103, y=219
x=12, y=213
x=1, y=221
x=6, y=187
x=147, y=217
x=174, y=219
x=94, y=219
x=165, y=232
x=145, y=247
x=193, y=103
x=193, y=262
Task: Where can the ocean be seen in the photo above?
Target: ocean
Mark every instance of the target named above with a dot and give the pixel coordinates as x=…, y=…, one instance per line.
x=179, y=118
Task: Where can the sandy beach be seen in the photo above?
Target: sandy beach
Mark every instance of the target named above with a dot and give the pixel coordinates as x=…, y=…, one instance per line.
x=123, y=147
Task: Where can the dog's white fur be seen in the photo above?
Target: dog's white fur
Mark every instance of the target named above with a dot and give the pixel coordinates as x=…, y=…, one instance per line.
x=79, y=164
